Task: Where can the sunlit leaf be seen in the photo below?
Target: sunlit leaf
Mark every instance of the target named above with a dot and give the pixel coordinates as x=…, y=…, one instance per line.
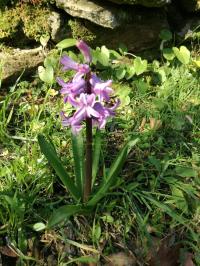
x=66, y=43
x=183, y=54
x=140, y=66
x=46, y=74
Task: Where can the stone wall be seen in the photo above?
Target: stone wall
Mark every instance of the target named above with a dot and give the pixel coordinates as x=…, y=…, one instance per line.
x=135, y=23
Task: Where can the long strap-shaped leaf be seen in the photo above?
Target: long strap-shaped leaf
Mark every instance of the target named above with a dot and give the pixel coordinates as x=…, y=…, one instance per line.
x=113, y=173
x=63, y=213
x=55, y=162
x=77, y=148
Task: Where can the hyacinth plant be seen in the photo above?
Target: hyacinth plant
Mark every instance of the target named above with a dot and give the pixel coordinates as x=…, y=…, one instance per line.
x=92, y=107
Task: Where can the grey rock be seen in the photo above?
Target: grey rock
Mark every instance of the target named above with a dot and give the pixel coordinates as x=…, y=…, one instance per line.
x=59, y=28
x=107, y=16
x=139, y=34
x=54, y=21
x=16, y=61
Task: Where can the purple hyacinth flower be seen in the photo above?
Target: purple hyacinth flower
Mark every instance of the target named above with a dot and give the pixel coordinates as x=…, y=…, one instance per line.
x=105, y=113
x=100, y=88
x=69, y=64
x=75, y=87
x=85, y=50
x=70, y=121
x=86, y=107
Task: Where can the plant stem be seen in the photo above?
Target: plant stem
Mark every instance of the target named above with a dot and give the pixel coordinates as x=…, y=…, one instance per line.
x=88, y=166
x=88, y=155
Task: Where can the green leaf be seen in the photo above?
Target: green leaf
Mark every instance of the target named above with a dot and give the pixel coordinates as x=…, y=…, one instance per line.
x=77, y=149
x=96, y=232
x=113, y=173
x=44, y=39
x=39, y=227
x=49, y=152
x=165, y=35
x=168, y=54
x=140, y=66
x=63, y=213
x=107, y=218
x=103, y=56
x=120, y=73
x=183, y=54
x=46, y=74
x=186, y=171
x=66, y=43
x=51, y=60
x=130, y=72
x=96, y=155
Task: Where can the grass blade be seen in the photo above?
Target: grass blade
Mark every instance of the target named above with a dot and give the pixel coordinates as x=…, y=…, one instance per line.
x=77, y=148
x=49, y=152
x=96, y=155
x=113, y=172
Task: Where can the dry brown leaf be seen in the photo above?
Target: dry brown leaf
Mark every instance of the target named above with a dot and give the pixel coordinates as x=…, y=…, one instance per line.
x=142, y=125
x=121, y=259
x=7, y=251
x=165, y=255
x=189, y=261
x=155, y=124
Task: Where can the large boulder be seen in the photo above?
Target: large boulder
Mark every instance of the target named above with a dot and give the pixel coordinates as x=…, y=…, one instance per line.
x=147, y=3
x=141, y=33
x=190, y=5
x=109, y=15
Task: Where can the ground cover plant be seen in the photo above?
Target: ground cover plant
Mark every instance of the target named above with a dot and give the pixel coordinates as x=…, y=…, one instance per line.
x=151, y=213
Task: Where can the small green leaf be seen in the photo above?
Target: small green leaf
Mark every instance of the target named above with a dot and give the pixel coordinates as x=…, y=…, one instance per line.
x=165, y=35
x=183, y=54
x=168, y=54
x=140, y=66
x=39, y=226
x=120, y=73
x=46, y=74
x=66, y=43
x=103, y=56
x=130, y=72
x=63, y=213
x=44, y=39
x=107, y=218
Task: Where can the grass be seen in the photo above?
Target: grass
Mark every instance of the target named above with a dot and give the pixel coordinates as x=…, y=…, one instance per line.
x=156, y=199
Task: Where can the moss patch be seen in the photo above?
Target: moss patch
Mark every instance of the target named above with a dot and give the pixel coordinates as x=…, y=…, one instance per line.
x=80, y=31
x=29, y=20
x=9, y=22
